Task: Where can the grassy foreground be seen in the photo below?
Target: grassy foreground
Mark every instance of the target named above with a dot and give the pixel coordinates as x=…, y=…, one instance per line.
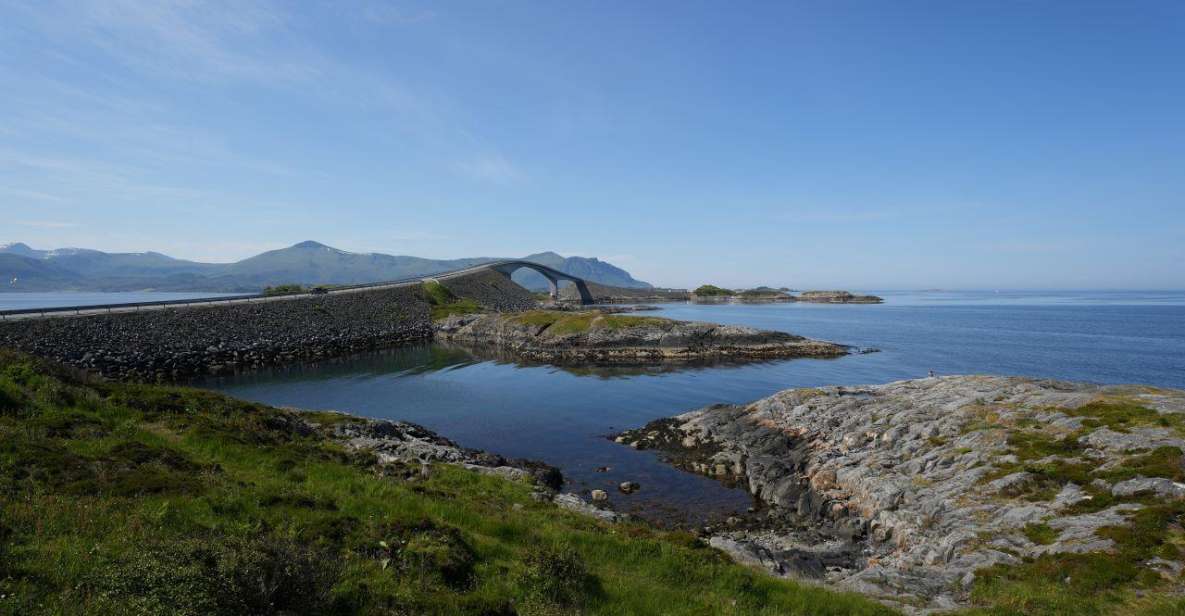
x=139, y=499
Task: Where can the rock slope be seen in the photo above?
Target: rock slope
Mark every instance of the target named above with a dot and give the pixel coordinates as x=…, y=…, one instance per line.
x=596, y=337
x=181, y=342
x=915, y=491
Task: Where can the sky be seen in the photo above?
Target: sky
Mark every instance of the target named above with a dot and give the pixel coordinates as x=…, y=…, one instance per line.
x=861, y=144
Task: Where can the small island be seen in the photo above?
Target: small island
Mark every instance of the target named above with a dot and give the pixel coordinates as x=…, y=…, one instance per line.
x=711, y=294
x=594, y=336
x=836, y=297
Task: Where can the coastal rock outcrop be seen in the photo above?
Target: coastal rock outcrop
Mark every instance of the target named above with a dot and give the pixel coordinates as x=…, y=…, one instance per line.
x=835, y=297
x=912, y=491
x=595, y=337
x=408, y=443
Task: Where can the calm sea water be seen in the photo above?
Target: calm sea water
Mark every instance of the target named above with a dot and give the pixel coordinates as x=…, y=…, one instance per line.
x=562, y=416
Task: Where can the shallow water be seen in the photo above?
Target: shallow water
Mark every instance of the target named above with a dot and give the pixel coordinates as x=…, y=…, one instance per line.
x=562, y=416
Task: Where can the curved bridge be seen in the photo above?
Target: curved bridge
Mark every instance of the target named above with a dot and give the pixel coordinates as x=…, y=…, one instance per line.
x=506, y=267
x=510, y=266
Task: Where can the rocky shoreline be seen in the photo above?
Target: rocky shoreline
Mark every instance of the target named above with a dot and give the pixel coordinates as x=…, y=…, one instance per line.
x=408, y=450
x=597, y=337
x=913, y=491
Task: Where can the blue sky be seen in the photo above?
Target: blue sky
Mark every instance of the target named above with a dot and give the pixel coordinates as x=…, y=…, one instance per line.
x=812, y=144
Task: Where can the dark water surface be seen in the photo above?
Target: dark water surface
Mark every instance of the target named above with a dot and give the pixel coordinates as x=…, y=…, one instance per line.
x=562, y=416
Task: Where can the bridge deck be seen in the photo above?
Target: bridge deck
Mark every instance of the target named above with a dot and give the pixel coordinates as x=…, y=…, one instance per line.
x=75, y=311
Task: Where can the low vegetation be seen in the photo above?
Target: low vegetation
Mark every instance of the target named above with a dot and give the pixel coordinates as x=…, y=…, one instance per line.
x=445, y=304
x=144, y=499
x=1121, y=416
x=761, y=292
x=560, y=323
x=1120, y=580
x=1110, y=582
x=283, y=289
x=709, y=290
x=295, y=289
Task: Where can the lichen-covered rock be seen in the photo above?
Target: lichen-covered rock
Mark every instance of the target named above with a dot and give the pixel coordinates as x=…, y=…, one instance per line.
x=917, y=486
x=595, y=337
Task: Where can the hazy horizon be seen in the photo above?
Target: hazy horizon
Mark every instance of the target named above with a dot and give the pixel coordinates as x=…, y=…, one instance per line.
x=866, y=146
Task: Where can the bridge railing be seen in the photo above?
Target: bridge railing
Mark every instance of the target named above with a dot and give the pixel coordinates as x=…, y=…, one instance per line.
x=221, y=299
x=129, y=305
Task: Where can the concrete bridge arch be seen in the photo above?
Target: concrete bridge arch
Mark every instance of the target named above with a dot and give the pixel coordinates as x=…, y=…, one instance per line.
x=553, y=276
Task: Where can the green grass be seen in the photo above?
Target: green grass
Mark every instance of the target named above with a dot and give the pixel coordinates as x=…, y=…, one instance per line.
x=145, y=499
x=444, y=304
x=561, y=323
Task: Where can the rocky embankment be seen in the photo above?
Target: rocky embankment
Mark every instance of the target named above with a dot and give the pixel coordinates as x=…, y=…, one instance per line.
x=176, y=343
x=492, y=290
x=835, y=297
x=605, y=294
x=593, y=336
x=936, y=493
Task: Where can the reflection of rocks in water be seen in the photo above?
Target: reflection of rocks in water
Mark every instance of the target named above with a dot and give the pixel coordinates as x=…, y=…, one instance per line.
x=409, y=359
x=476, y=353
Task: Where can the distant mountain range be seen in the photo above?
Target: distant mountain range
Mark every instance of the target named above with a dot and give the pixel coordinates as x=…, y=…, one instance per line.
x=23, y=268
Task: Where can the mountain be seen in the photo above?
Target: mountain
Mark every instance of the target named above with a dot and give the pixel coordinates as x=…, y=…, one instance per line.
x=315, y=263
x=22, y=250
x=18, y=272
x=584, y=267
x=304, y=263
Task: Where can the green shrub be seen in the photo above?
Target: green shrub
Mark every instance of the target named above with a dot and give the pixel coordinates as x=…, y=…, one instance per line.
x=709, y=290
x=556, y=576
x=1035, y=445
x=1167, y=462
x=265, y=574
x=283, y=289
x=1041, y=533
x=276, y=574
x=1120, y=416
x=179, y=578
x=444, y=303
x=11, y=397
x=429, y=552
